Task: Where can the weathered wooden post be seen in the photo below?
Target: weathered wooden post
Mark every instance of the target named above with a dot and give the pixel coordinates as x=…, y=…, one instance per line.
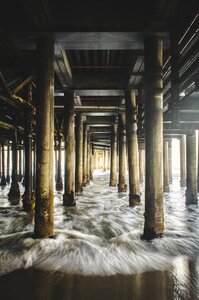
x=113, y=167
x=122, y=186
x=154, y=215
x=44, y=192
x=132, y=142
x=79, y=154
x=69, y=137
x=166, y=165
x=191, y=191
x=59, y=183
x=28, y=196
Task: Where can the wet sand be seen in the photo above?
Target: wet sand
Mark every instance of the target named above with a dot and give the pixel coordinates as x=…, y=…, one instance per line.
x=34, y=284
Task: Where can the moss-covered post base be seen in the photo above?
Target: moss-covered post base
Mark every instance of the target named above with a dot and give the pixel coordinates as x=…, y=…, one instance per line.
x=28, y=200
x=166, y=189
x=191, y=198
x=122, y=188
x=3, y=180
x=113, y=183
x=59, y=185
x=154, y=214
x=8, y=179
x=19, y=178
x=44, y=223
x=134, y=200
x=79, y=190
x=191, y=192
x=14, y=192
x=150, y=233
x=69, y=200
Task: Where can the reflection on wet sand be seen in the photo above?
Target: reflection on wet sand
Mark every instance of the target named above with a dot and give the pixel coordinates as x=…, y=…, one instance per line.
x=33, y=284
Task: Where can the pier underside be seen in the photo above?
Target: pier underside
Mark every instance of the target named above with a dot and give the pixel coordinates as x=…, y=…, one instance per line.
x=99, y=122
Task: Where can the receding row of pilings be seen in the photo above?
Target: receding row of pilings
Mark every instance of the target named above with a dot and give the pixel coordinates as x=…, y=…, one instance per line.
x=5, y=163
x=78, y=162
x=101, y=158
x=188, y=164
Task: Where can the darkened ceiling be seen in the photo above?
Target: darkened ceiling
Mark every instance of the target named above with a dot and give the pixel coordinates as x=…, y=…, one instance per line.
x=99, y=49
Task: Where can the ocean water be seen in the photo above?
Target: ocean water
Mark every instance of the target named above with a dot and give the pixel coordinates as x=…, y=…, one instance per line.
x=97, y=252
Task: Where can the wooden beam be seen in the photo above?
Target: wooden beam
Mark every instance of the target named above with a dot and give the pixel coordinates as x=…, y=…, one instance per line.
x=100, y=120
x=99, y=93
x=10, y=96
x=4, y=86
x=15, y=101
x=62, y=67
x=186, y=117
x=20, y=100
x=10, y=126
x=9, y=101
x=22, y=84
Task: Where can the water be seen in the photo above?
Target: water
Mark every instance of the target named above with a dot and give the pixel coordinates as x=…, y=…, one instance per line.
x=97, y=252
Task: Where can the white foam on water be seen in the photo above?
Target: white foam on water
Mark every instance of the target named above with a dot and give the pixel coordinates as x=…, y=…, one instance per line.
x=100, y=236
